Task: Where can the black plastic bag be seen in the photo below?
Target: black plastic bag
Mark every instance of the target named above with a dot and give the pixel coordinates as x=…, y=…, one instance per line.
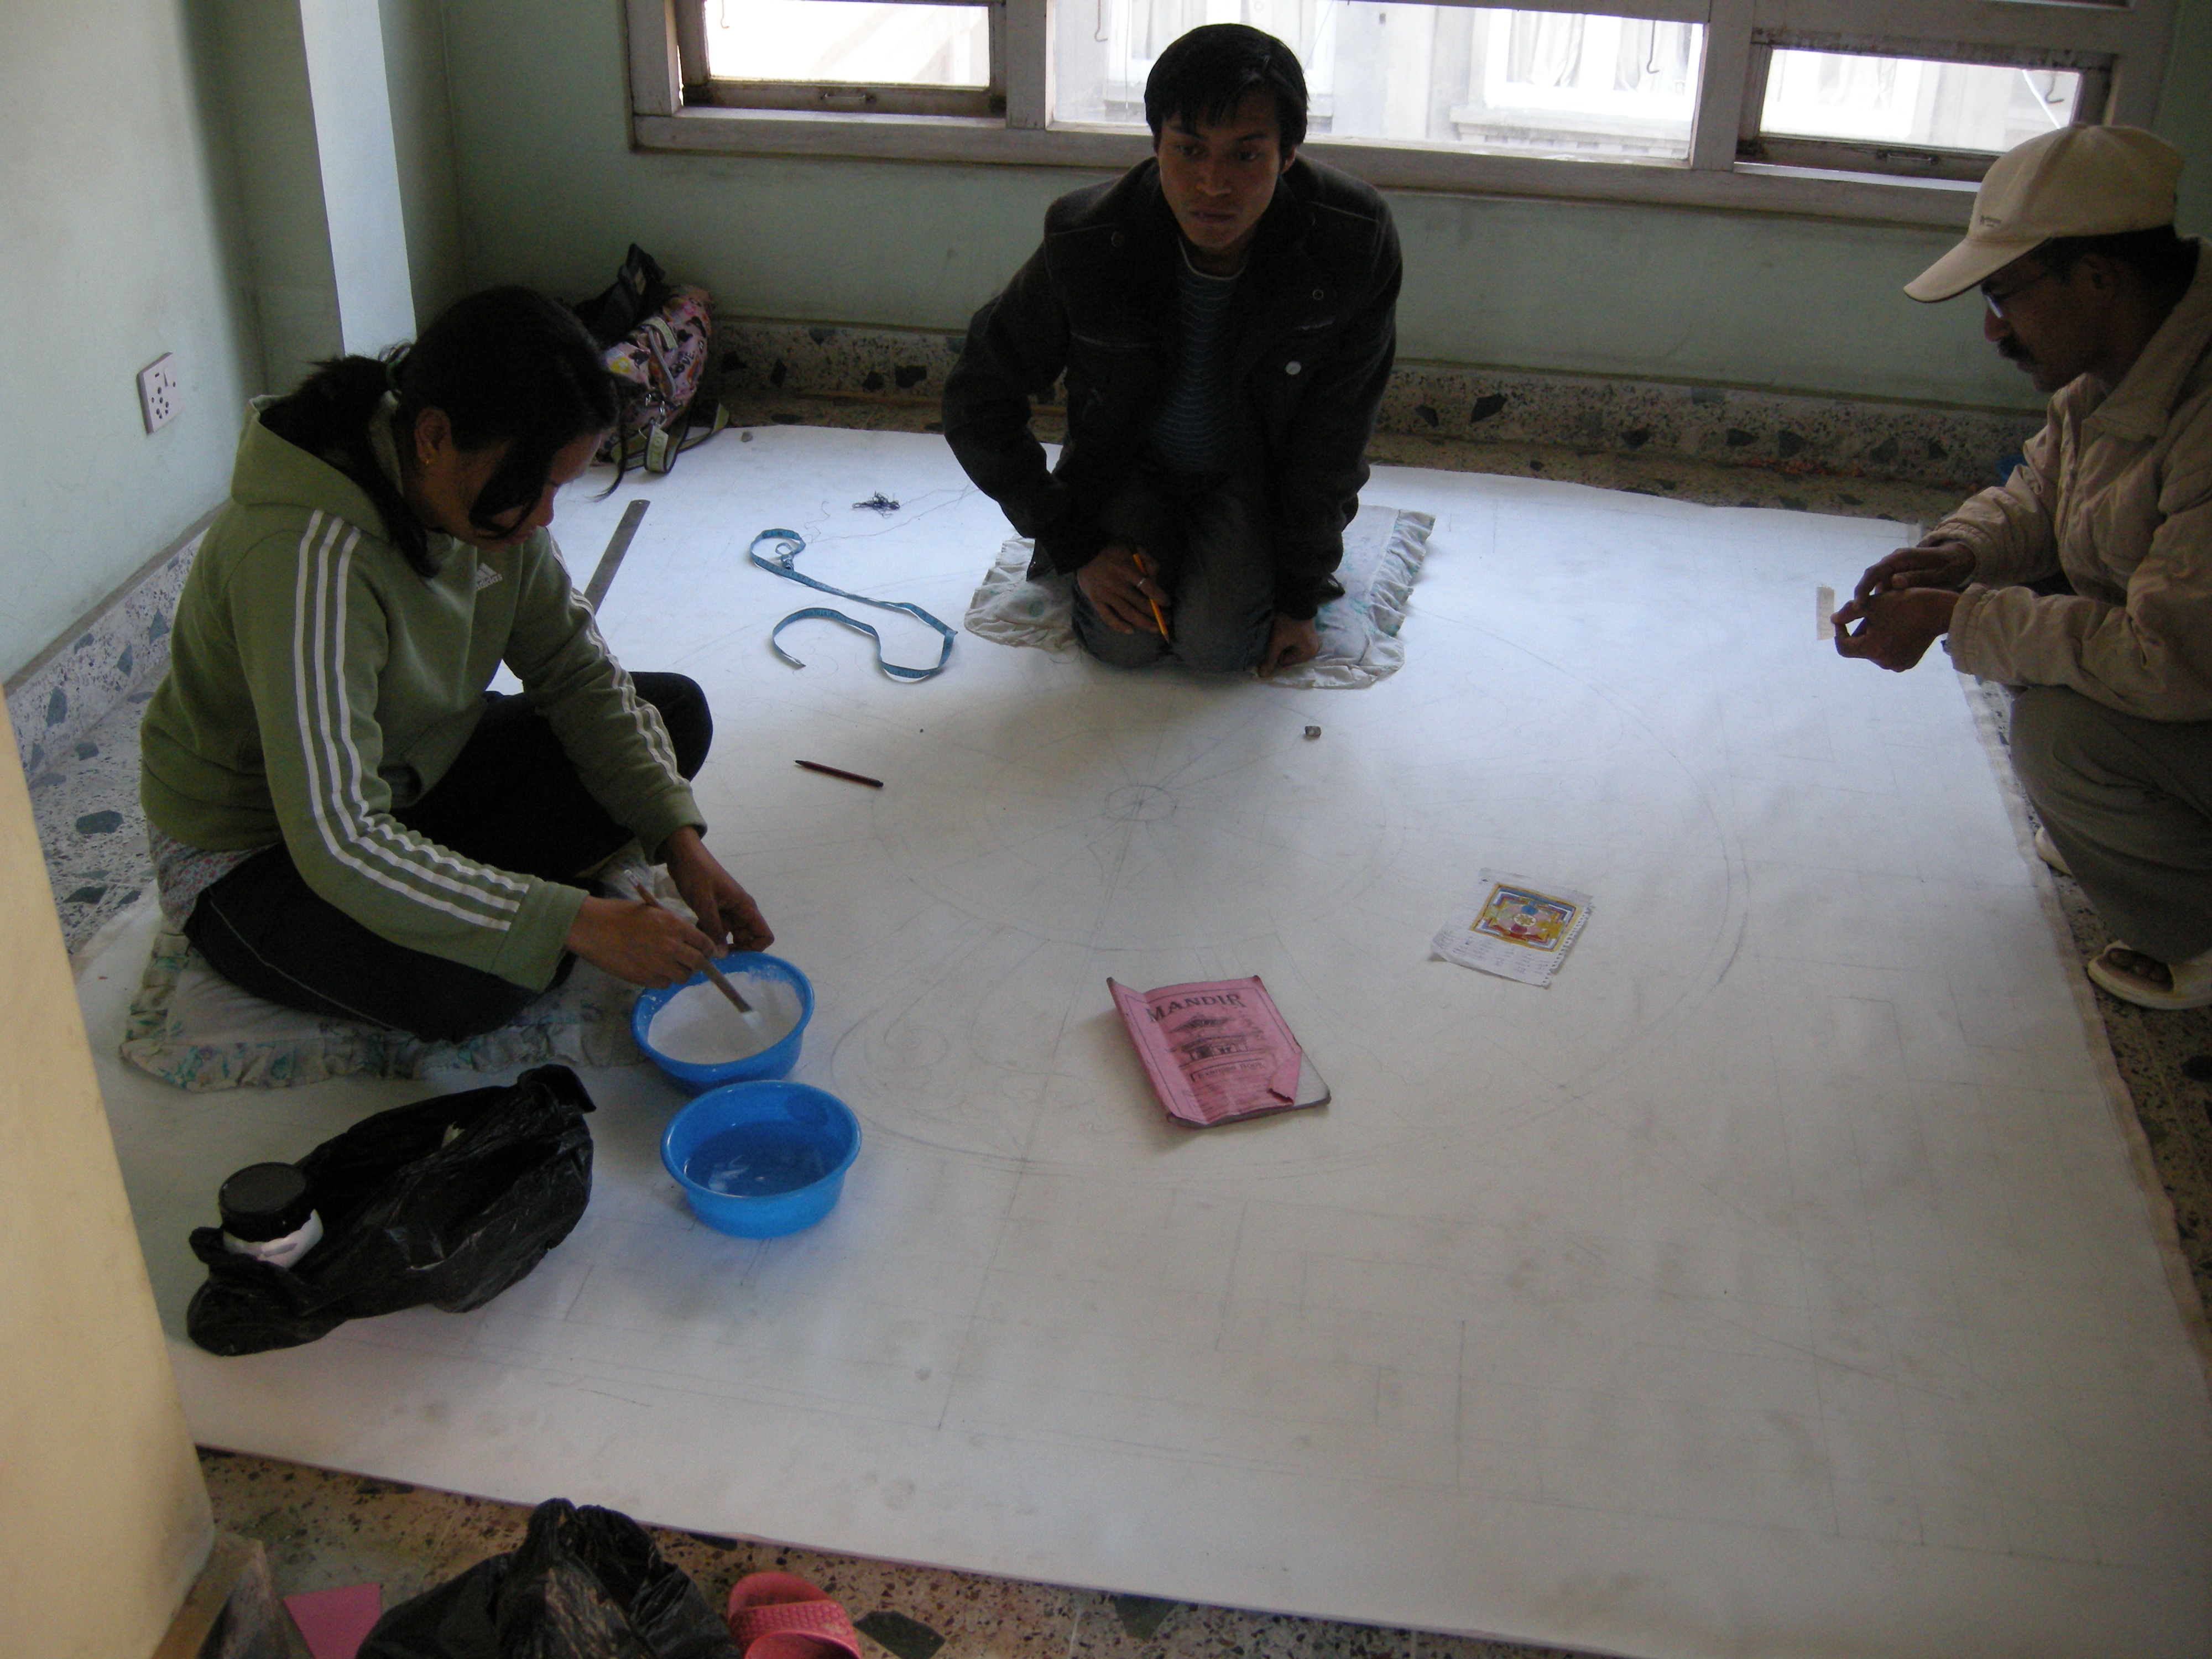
x=587, y=1584
x=446, y=1201
x=640, y=288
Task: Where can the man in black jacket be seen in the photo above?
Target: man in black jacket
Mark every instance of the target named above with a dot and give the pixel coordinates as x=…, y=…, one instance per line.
x=1224, y=315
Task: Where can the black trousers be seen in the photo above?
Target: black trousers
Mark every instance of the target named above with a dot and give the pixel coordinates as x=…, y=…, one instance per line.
x=1207, y=538
x=511, y=800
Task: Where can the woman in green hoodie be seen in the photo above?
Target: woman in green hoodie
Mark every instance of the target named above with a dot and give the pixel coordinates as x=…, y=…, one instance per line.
x=343, y=818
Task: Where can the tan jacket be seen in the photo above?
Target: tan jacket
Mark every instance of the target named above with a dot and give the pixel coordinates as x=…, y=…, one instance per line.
x=2116, y=492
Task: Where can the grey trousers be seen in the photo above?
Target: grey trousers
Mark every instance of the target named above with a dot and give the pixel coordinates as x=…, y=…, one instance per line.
x=1206, y=537
x=2129, y=802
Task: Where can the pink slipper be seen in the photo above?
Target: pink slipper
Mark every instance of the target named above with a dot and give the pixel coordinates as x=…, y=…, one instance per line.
x=779, y=1615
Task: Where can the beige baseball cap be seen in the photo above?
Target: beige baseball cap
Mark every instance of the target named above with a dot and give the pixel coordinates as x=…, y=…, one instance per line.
x=2076, y=181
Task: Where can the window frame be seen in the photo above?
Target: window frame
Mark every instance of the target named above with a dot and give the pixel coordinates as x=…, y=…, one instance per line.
x=2119, y=46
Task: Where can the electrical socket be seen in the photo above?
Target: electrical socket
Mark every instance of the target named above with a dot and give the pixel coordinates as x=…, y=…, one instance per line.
x=159, y=395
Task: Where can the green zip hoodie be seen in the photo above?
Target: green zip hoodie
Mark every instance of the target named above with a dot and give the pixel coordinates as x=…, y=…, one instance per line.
x=317, y=682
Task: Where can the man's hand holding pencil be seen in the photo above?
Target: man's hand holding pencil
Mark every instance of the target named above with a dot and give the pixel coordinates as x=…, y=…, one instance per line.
x=1122, y=583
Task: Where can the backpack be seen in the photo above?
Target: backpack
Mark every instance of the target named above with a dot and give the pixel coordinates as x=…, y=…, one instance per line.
x=657, y=336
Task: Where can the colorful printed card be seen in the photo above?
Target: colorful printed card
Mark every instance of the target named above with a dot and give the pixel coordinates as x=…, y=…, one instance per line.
x=1218, y=1051
x=1514, y=928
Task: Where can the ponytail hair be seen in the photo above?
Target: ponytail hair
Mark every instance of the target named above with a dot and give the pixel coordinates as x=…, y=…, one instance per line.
x=507, y=365
x=328, y=417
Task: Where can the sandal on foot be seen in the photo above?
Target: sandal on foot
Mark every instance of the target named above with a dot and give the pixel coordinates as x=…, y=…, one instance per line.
x=2047, y=850
x=779, y=1615
x=2191, y=986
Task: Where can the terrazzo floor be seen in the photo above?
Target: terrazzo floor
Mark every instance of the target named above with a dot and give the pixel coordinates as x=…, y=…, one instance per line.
x=323, y=1529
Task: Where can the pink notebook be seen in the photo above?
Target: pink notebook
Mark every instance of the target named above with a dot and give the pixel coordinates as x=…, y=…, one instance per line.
x=1217, y=1052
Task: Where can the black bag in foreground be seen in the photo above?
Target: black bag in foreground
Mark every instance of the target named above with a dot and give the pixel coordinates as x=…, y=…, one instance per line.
x=446, y=1201
x=587, y=1584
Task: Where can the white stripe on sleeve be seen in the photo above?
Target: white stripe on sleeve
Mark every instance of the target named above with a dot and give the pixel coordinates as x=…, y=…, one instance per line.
x=320, y=697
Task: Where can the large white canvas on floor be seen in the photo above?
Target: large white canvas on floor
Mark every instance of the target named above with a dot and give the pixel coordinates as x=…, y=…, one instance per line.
x=1778, y=1282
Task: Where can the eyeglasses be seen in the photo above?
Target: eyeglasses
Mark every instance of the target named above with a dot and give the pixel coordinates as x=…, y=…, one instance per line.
x=1997, y=301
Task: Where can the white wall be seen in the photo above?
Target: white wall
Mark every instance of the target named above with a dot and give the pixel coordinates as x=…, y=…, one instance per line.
x=352, y=99
x=115, y=247
x=307, y=104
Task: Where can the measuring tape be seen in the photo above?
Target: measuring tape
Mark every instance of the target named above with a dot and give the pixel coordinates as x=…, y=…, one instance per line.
x=789, y=544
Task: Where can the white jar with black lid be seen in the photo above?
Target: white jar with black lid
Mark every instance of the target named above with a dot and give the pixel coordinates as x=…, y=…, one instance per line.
x=268, y=1214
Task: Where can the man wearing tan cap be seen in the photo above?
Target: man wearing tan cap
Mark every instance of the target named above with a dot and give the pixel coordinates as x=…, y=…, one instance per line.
x=2085, y=582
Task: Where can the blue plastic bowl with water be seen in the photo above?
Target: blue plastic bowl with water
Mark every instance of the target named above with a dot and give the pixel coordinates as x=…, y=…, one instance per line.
x=762, y=1159
x=771, y=1062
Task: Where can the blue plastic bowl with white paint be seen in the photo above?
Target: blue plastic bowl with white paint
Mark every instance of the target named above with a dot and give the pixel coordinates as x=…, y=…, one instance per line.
x=762, y=1159
x=695, y=1076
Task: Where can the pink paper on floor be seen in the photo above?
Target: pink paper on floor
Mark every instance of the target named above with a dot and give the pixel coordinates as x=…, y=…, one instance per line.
x=336, y=1622
x=1217, y=1051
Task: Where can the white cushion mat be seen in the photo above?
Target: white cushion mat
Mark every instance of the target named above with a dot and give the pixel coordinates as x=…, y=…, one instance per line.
x=190, y=1027
x=1357, y=630
x=1781, y=1281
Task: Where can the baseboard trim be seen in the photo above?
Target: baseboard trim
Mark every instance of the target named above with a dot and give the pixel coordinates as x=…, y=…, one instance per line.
x=1958, y=448
x=118, y=648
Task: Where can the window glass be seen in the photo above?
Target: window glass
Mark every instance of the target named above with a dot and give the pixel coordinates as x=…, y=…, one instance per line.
x=1464, y=77
x=1913, y=100
x=848, y=41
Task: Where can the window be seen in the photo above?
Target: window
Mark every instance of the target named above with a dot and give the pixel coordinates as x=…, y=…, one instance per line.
x=1934, y=110
x=1963, y=107
x=858, y=56
x=1550, y=83
x=1873, y=108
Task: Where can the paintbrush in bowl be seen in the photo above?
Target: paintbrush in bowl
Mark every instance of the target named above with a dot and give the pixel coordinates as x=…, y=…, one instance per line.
x=720, y=979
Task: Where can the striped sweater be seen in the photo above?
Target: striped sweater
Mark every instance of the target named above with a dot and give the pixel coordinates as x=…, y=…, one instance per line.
x=317, y=684
x=1195, y=430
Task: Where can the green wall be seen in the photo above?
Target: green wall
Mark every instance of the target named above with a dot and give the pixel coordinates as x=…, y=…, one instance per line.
x=258, y=49
x=189, y=218
x=132, y=230
x=422, y=135
x=117, y=220
x=551, y=193
x=2185, y=110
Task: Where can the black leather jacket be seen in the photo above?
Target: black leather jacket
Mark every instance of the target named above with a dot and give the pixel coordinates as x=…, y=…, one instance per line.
x=1312, y=334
